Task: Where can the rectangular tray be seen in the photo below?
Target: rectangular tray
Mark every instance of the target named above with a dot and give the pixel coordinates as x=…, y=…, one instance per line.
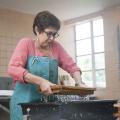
x=71, y=90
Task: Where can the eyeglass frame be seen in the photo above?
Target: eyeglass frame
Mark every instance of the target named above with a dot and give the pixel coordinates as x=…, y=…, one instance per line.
x=49, y=34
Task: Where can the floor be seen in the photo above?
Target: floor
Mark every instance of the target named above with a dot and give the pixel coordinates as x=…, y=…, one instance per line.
x=4, y=115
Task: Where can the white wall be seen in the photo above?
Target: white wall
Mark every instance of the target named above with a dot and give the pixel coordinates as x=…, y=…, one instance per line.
x=66, y=39
x=111, y=22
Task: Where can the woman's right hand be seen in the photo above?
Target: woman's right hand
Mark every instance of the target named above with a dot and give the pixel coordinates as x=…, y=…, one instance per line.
x=44, y=84
x=45, y=87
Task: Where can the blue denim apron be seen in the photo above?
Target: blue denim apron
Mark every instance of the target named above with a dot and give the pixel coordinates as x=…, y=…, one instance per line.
x=24, y=93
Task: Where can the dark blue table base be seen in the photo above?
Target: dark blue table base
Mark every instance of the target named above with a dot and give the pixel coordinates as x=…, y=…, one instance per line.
x=77, y=110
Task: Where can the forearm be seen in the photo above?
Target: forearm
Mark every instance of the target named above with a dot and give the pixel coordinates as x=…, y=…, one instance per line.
x=44, y=84
x=30, y=78
x=77, y=77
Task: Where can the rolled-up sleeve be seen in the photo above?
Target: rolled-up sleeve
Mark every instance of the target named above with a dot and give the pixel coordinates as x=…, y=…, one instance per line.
x=66, y=62
x=16, y=67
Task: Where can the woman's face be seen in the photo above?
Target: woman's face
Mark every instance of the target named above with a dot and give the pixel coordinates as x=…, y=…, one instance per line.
x=47, y=36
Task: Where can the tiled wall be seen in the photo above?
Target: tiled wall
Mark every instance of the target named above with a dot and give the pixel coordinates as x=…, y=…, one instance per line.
x=13, y=26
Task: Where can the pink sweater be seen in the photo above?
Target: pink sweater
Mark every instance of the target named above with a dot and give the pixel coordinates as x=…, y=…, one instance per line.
x=26, y=47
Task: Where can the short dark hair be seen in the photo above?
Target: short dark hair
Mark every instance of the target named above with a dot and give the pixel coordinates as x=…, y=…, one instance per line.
x=44, y=20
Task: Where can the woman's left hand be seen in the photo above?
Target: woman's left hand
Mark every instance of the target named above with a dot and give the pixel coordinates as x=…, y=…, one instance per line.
x=78, y=79
x=80, y=84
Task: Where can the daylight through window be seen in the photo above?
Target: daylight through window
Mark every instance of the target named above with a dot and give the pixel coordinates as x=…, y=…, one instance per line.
x=90, y=55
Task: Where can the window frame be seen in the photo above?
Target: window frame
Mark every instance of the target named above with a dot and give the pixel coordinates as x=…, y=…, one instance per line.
x=93, y=53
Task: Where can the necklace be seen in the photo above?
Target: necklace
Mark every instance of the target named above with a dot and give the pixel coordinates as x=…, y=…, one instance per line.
x=46, y=51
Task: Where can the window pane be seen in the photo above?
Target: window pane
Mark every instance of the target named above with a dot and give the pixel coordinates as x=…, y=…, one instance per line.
x=99, y=44
x=83, y=47
x=83, y=31
x=87, y=78
x=100, y=78
x=84, y=62
x=99, y=61
x=98, y=27
x=91, y=60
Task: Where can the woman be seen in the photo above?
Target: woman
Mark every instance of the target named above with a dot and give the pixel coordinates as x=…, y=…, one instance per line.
x=45, y=27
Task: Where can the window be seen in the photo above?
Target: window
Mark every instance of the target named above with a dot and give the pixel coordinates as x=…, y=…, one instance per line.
x=90, y=55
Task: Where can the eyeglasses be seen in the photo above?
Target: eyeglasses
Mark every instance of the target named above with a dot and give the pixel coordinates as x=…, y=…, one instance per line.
x=51, y=34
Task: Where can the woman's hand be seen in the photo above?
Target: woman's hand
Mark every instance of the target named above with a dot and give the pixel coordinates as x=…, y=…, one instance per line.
x=78, y=79
x=45, y=87
x=80, y=84
x=43, y=84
